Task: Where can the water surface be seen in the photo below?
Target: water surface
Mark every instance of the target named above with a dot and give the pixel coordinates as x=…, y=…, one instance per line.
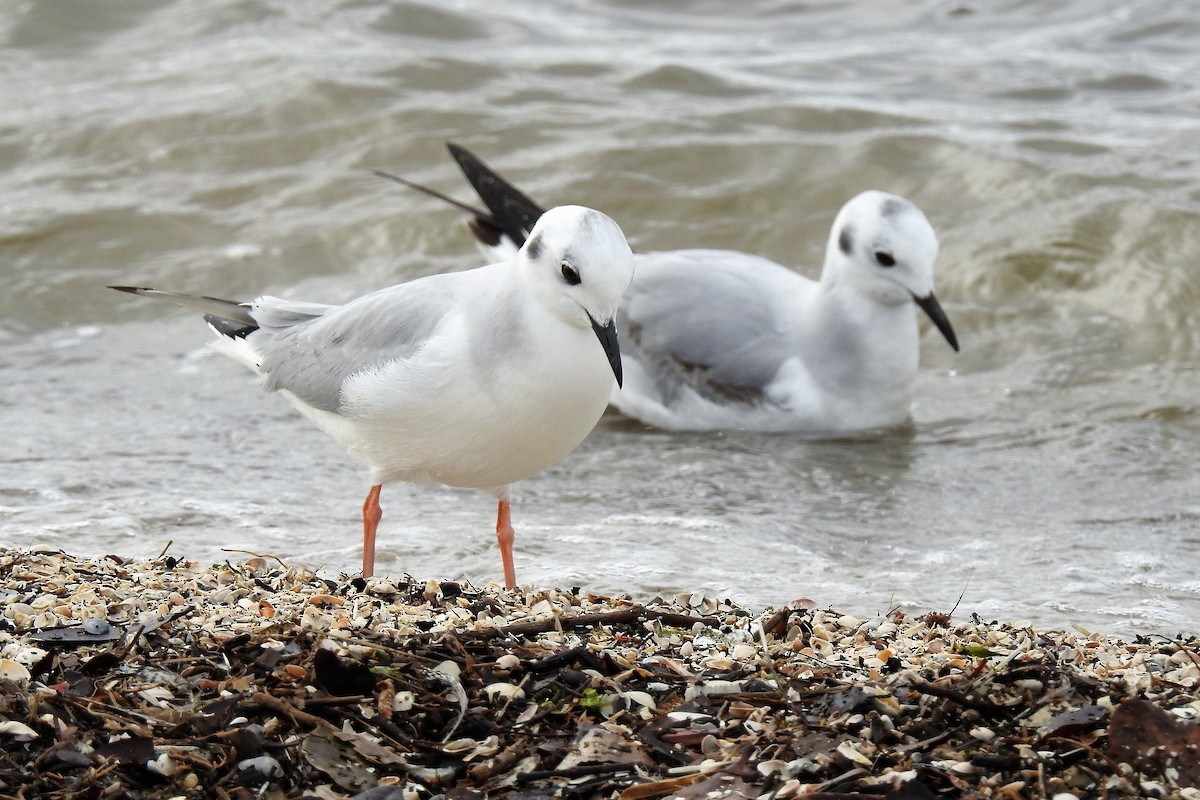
x=224, y=147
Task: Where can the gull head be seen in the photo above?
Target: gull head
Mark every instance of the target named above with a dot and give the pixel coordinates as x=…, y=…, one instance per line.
x=885, y=247
x=578, y=265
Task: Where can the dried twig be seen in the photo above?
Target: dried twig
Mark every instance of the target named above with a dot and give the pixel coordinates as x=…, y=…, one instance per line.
x=982, y=706
x=628, y=615
x=290, y=711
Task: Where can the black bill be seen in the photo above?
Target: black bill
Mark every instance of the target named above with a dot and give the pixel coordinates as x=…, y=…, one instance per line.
x=607, y=334
x=930, y=305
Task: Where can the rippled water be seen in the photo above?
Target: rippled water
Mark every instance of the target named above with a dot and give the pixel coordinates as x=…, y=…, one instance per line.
x=225, y=147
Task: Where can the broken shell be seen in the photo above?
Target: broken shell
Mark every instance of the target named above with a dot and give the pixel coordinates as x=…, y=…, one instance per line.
x=848, y=751
x=743, y=651
x=720, y=663
x=432, y=590
x=460, y=746
x=256, y=564
x=485, y=749
x=17, y=730
x=711, y=688
x=508, y=691
x=641, y=698
x=95, y=627
x=266, y=766
x=448, y=668
x=163, y=765
x=14, y=671
x=790, y=788
x=768, y=768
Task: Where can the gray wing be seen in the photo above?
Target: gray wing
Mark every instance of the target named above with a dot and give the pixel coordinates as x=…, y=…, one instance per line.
x=706, y=320
x=310, y=350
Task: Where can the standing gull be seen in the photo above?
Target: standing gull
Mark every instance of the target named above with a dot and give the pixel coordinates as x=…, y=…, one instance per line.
x=717, y=339
x=475, y=379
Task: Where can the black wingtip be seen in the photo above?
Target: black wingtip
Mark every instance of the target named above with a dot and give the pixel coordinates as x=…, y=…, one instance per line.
x=486, y=231
x=228, y=327
x=512, y=212
x=130, y=289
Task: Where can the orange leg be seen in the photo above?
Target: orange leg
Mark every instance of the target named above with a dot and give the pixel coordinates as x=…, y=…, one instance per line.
x=372, y=513
x=505, y=536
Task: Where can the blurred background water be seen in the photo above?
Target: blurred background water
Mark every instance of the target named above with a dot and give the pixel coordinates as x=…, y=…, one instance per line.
x=225, y=146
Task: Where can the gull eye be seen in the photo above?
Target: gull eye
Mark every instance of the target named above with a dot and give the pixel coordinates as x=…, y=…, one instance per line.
x=884, y=259
x=569, y=274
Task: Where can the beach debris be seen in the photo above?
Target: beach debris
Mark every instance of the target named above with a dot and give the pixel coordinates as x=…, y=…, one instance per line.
x=416, y=689
x=1142, y=733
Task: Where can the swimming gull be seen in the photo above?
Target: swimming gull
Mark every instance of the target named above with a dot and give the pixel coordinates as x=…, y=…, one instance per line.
x=718, y=339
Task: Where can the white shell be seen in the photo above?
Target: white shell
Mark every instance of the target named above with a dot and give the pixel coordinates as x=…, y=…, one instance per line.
x=17, y=730
x=14, y=671
x=507, y=690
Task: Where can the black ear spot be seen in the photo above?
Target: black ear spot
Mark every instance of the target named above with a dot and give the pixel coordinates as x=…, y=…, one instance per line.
x=570, y=275
x=846, y=240
x=884, y=259
x=892, y=207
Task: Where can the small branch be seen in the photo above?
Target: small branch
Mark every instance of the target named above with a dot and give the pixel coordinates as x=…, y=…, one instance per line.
x=581, y=771
x=341, y=700
x=290, y=711
x=112, y=712
x=982, y=706
x=629, y=615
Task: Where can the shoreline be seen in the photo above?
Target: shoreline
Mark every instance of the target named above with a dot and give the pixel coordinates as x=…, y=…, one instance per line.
x=164, y=678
